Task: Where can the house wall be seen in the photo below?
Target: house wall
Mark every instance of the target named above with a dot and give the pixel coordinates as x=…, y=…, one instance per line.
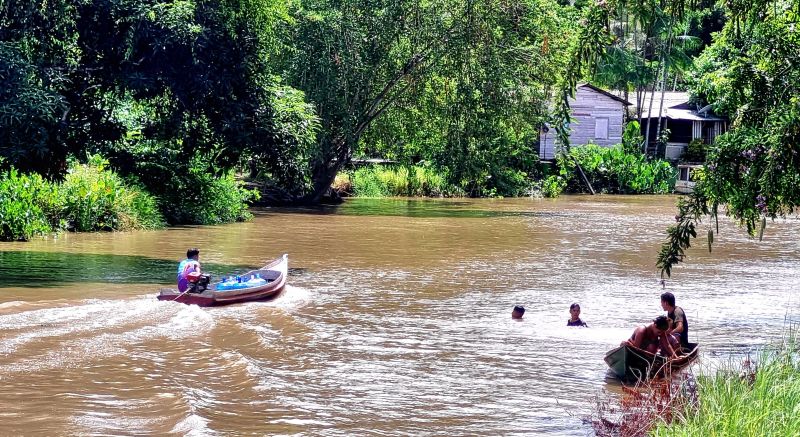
x=682, y=132
x=587, y=107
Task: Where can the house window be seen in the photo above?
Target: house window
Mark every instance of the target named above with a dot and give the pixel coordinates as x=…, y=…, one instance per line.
x=601, y=128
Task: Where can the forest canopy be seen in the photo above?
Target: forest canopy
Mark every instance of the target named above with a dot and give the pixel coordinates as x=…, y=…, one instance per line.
x=177, y=96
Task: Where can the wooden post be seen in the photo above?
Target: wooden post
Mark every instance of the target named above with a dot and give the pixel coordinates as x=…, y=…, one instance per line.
x=583, y=175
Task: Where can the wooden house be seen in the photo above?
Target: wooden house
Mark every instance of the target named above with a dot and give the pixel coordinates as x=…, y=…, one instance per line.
x=685, y=121
x=599, y=117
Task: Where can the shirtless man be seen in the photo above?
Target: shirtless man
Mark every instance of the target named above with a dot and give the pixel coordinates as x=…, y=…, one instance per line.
x=652, y=337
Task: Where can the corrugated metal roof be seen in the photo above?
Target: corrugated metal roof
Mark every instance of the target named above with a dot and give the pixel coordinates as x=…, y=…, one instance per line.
x=671, y=98
x=685, y=114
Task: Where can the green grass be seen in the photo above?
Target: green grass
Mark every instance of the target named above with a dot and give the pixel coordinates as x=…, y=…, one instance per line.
x=411, y=181
x=749, y=399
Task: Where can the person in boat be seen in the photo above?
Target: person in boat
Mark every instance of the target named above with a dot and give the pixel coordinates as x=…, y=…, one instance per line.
x=190, y=275
x=517, y=312
x=678, y=331
x=575, y=316
x=652, y=338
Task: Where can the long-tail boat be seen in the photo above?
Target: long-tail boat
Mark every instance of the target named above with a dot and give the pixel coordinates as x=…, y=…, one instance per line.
x=264, y=283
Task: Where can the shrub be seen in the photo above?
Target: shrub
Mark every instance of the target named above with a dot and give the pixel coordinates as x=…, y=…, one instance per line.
x=613, y=170
x=202, y=198
x=367, y=183
x=93, y=198
x=342, y=184
x=419, y=181
x=695, y=152
x=22, y=214
x=553, y=186
x=428, y=182
x=632, y=139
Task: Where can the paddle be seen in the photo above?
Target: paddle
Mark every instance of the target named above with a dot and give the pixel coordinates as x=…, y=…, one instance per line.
x=179, y=296
x=191, y=286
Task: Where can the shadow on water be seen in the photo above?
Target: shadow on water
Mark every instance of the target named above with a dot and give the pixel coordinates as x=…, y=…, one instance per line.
x=419, y=208
x=51, y=269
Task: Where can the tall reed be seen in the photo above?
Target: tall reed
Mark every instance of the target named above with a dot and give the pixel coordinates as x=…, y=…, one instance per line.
x=754, y=398
x=412, y=181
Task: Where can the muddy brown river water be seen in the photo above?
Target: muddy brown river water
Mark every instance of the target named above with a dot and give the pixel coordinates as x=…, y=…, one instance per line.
x=396, y=320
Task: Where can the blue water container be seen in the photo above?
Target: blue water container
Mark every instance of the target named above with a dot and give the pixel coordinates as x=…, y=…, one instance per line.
x=255, y=281
x=228, y=283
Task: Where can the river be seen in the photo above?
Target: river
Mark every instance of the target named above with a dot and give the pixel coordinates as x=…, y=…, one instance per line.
x=396, y=320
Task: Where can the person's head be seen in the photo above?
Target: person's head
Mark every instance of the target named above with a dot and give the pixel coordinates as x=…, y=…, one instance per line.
x=575, y=310
x=517, y=312
x=667, y=301
x=193, y=253
x=661, y=323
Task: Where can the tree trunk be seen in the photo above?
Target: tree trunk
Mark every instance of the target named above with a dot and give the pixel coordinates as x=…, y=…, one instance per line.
x=326, y=170
x=664, y=76
x=661, y=104
x=649, y=116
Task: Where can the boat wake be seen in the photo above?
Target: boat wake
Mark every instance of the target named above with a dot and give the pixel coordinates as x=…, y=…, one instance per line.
x=66, y=336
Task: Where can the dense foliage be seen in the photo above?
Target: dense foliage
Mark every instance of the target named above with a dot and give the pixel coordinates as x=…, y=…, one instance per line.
x=148, y=84
x=91, y=198
x=752, y=74
x=460, y=85
x=615, y=170
x=397, y=180
x=21, y=200
x=289, y=90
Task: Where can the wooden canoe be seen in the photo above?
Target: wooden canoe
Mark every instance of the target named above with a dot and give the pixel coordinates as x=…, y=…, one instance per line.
x=628, y=362
x=274, y=273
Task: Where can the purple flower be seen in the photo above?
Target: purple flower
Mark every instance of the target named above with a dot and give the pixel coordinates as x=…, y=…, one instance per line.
x=761, y=203
x=749, y=155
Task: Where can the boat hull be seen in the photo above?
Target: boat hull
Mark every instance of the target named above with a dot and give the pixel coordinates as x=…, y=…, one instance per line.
x=632, y=363
x=274, y=272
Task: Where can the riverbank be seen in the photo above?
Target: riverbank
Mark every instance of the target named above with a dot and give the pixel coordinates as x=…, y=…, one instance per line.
x=753, y=396
x=612, y=170
x=759, y=397
x=93, y=197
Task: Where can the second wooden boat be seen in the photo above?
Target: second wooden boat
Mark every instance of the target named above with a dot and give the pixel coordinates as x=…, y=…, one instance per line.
x=628, y=362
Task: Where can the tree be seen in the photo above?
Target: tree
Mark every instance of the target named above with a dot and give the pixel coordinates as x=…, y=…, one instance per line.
x=478, y=111
x=196, y=74
x=356, y=60
x=752, y=74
